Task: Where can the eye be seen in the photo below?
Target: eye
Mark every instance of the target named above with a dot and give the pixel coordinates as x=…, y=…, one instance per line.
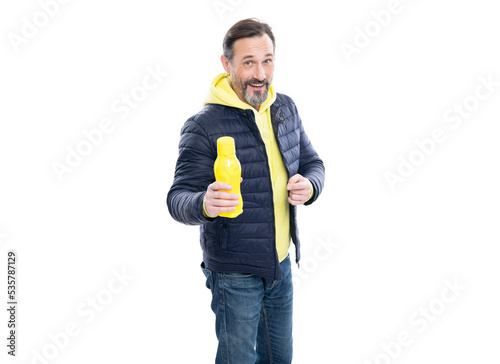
x=267, y=61
x=248, y=63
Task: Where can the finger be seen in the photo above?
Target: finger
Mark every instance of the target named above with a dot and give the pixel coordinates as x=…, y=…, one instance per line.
x=298, y=195
x=225, y=209
x=224, y=195
x=214, y=211
x=294, y=202
x=295, y=178
x=300, y=186
x=300, y=189
x=293, y=181
x=223, y=203
x=220, y=186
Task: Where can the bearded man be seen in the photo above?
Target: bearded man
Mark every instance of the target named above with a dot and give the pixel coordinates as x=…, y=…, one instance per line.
x=245, y=259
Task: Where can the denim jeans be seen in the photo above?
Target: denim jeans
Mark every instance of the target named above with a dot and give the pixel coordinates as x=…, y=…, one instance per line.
x=253, y=316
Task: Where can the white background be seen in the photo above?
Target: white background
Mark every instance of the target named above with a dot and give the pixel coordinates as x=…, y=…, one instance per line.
x=393, y=250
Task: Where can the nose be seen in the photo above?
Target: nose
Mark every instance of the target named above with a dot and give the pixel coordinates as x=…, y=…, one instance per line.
x=259, y=73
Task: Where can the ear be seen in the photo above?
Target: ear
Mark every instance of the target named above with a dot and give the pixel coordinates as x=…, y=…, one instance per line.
x=225, y=63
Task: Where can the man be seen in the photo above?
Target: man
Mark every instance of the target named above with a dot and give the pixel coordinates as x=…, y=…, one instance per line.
x=245, y=259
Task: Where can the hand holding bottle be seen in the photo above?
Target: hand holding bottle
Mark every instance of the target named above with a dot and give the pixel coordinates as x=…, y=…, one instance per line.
x=227, y=170
x=217, y=201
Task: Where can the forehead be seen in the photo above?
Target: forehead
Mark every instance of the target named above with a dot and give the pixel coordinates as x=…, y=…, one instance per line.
x=253, y=47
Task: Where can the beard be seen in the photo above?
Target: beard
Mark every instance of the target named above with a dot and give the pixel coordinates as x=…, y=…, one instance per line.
x=258, y=97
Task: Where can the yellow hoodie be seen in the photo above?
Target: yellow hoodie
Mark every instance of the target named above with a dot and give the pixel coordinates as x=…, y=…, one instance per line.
x=222, y=93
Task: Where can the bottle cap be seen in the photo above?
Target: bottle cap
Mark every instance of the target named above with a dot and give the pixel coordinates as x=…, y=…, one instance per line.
x=225, y=146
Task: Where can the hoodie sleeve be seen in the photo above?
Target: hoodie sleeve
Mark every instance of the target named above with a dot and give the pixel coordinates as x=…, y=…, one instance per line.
x=194, y=171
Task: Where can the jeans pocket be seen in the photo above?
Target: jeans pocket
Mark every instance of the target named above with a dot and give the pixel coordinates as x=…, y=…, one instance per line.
x=237, y=275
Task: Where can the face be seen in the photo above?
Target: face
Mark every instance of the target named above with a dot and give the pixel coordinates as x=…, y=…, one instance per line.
x=251, y=69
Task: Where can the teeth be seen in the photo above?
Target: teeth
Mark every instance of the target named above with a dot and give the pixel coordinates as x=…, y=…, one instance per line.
x=257, y=85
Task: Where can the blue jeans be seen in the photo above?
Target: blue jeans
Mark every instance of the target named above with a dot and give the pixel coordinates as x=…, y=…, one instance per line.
x=253, y=316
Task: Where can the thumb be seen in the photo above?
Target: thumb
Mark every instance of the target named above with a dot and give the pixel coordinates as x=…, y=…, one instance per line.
x=294, y=179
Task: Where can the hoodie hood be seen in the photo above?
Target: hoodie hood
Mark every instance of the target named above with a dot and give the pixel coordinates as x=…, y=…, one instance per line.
x=222, y=93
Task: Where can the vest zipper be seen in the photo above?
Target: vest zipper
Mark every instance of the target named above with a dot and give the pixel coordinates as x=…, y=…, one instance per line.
x=253, y=125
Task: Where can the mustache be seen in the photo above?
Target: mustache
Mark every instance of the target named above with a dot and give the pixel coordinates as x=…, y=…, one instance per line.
x=265, y=82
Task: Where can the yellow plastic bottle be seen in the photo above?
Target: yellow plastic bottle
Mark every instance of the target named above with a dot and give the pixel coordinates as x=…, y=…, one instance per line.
x=227, y=169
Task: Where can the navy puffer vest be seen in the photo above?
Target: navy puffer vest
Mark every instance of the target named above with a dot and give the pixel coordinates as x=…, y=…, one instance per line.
x=245, y=244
